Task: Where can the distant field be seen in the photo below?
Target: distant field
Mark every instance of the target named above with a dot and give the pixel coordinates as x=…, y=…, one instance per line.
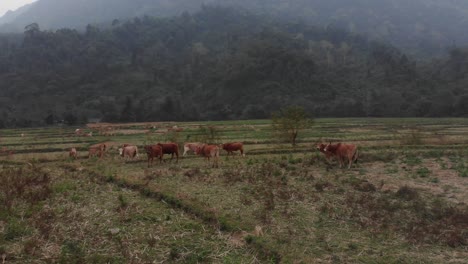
x=405, y=201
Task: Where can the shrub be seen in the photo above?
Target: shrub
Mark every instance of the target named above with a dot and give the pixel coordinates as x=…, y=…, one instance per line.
x=31, y=185
x=407, y=193
x=423, y=172
x=415, y=137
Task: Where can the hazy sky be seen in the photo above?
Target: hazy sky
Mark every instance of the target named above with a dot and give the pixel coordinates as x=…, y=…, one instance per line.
x=6, y=5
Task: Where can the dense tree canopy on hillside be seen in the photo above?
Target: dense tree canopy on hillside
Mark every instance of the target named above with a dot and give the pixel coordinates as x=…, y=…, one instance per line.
x=419, y=27
x=219, y=63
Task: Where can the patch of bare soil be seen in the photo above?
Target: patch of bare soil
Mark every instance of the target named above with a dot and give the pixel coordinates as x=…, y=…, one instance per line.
x=122, y=125
x=130, y=131
x=449, y=184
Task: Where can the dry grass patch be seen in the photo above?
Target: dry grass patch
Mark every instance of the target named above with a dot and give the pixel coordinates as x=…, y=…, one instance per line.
x=86, y=221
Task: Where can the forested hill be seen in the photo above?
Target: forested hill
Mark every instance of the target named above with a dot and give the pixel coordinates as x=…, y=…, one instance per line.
x=424, y=28
x=55, y=14
x=219, y=63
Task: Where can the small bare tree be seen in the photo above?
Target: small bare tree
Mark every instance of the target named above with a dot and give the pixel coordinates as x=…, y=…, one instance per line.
x=289, y=121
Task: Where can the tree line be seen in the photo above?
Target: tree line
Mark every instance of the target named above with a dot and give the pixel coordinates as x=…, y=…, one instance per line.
x=218, y=63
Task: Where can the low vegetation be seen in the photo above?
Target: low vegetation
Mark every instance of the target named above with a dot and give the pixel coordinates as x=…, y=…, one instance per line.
x=279, y=204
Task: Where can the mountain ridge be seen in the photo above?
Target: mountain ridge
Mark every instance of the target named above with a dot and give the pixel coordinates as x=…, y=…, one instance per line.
x=228, y=63
x=423, y=28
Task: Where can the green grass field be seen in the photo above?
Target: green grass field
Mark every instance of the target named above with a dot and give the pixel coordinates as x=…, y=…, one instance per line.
x=405, y=201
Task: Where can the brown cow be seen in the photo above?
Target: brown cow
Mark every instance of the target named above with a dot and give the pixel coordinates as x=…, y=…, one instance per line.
x=128, y=151
x=209, y=151
x=7, y=152
x=170, y=148
x=153, y=151
x=191, y=147
x=97, y=150
x=73, y=153
x=345, y=153
x=234, y=146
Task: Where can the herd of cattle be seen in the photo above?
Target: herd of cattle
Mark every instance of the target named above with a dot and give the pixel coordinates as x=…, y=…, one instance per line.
x=128, y=151
x=345, y=154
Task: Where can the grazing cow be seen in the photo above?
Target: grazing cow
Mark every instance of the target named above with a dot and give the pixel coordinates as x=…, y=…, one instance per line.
x=78, y=132
x=128, y=151
x=191, y=147
x=175, y=129
x=170, y=148
x=345, y=153
x=209, y=151
x=7, y=152
x=97, y=150
x=73, y=153
x=234, y=146
x=328, y=154
x=153, y=151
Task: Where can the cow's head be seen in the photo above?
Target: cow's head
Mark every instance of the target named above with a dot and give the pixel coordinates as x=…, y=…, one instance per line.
x=101, y=147
x=147, y=149
x=121, y=152
x=320, y=147
x=327, y=147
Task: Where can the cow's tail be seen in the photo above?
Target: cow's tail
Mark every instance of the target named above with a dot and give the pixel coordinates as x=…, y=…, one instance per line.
x=355, y=156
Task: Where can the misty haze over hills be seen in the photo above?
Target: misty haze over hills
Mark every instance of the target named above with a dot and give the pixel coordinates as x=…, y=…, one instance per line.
x=422, y=27
x=228, y=62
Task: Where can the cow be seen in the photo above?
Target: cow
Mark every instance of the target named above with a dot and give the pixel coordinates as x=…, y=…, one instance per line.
x=153, y=151
x=97, y=150
x=170, y=148
x=345, y=153
x=73, y=153
x=209, y=151
x=128, y=151
x=7, y=152
x=78, y=132
x=191, y=147
x=234, y=146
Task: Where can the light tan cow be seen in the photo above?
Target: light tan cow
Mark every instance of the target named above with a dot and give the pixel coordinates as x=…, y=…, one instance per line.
x=128, y=151
x=97, y=150
x=209, y=151
x=73, y=153
x=191, y=147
